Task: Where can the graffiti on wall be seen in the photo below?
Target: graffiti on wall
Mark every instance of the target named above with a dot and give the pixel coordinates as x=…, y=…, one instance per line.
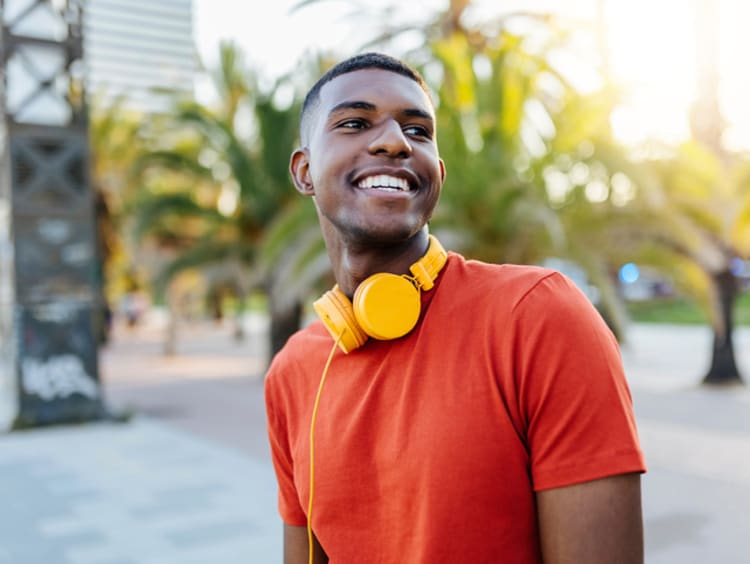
x=57, y=377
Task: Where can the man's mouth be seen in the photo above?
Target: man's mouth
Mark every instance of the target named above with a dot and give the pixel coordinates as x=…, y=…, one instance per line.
x=384, y=182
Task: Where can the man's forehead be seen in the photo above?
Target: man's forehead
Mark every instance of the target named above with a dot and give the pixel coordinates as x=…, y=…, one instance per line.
x=373, y=85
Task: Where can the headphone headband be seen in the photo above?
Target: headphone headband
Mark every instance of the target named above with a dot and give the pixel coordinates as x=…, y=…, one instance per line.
x=385, y=307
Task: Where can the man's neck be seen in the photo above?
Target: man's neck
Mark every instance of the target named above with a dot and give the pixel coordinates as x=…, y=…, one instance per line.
x=353, y=263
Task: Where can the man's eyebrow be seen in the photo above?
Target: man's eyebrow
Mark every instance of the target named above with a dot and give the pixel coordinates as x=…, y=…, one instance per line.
x=414, y=112
x=361, y=105
x=352, y=105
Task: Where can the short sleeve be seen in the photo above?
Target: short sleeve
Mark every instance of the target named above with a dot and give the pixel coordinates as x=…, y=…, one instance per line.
x=281, y=452
x=574, y=397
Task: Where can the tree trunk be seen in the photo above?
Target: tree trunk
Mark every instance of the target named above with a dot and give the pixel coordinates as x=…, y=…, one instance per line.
x=239, y=320
x=173, y=314
x=170, y=340
x=283, y=325
x=723, y=368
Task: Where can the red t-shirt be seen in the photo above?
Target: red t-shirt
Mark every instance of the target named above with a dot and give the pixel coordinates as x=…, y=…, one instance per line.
x=429, y=448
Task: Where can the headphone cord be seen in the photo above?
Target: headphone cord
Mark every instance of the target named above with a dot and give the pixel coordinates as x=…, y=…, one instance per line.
x=311, y=556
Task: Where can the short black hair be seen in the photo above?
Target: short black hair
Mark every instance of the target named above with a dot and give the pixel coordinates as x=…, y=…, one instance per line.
x=370, y=60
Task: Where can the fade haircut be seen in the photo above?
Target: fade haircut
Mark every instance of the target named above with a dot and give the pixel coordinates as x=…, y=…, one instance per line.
x=369, y=60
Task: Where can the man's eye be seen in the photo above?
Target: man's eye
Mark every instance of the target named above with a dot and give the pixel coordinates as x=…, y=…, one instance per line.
x=352, y=124
x=418, y=131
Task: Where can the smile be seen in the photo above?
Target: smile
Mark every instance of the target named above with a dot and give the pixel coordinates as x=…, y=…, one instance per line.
x=384, y=182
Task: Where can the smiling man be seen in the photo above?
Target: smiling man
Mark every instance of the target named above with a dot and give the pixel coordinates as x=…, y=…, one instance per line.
x=441, y=410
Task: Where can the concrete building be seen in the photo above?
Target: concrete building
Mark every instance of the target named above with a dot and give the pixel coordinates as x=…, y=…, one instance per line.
x=139, y=49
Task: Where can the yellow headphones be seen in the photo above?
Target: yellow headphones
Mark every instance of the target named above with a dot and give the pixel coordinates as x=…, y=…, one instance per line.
x=385, y=306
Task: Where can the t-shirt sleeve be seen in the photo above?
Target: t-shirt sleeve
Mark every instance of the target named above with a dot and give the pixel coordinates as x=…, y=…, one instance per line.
x=574, y=397
x=277, y=406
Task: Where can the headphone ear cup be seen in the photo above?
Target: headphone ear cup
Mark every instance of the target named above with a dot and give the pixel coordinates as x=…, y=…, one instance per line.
x=335, y=311
x=387, y=306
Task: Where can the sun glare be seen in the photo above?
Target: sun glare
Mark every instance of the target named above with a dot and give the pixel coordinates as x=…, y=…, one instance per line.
x=735, y=80
x=654, y=49
x=651, y=55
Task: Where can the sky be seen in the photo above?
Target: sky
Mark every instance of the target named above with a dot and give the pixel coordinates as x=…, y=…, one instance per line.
x=651, y=47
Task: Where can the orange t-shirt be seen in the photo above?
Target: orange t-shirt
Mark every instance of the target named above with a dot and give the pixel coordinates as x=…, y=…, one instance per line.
x=429, y=448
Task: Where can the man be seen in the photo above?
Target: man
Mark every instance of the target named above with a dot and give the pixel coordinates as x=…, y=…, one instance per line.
x=498, y=429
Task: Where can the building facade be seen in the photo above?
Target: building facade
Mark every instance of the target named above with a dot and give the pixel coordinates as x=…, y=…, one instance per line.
x=140, y=50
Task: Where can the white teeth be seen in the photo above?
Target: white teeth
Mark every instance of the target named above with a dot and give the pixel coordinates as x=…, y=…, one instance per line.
x=384, y=182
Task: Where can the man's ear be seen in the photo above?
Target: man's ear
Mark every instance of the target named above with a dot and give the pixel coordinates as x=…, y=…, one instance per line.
x=299, y=167
x=442, y=171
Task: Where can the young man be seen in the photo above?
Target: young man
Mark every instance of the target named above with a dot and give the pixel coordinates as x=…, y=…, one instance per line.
x=498, y=429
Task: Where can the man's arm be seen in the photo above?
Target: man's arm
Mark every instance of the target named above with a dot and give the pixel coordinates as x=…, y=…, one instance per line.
x=296, y=547
x=592, y=522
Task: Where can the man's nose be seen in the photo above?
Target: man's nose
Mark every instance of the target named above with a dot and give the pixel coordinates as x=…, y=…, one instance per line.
x=389, y=139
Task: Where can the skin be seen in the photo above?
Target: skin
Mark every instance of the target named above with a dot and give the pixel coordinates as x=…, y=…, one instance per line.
x=593, y=522
x=378, y=122
x=296, y=547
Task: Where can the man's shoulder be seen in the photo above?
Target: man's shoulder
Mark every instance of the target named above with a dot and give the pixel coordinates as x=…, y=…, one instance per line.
x=513, y=281
x=302, y=348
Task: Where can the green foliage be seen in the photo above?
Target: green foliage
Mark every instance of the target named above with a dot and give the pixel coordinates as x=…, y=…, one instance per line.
x=682, y=310
x=492, y=197
x=703, y=223
x=211, y=186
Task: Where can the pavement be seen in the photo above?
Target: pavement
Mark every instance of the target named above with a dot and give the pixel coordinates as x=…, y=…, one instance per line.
x=188, y=479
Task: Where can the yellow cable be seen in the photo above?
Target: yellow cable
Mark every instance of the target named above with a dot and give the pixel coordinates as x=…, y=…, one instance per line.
x=311, y=556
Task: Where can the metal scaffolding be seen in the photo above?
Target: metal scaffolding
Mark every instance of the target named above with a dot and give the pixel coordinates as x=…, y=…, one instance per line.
x=50, y=292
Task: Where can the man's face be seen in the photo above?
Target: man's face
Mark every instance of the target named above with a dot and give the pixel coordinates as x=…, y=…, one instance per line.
x=371, y=160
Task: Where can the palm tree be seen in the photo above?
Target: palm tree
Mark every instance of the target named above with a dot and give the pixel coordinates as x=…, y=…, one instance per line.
x=730, y=197
x=704, y=206
x=703, y=235
x=489, y=201
x=212, y=188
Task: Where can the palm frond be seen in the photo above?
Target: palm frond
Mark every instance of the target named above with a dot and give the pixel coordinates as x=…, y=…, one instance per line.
x=151, y=211
x=300, y=267
x=171, y=160
x=297, y=218
x=204, y=253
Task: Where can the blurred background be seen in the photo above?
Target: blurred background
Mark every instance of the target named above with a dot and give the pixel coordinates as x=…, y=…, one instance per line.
x=602, y=138
x=154, y=254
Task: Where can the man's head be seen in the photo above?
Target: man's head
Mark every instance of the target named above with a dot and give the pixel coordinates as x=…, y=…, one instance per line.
x=369, y=154
x=358, y=62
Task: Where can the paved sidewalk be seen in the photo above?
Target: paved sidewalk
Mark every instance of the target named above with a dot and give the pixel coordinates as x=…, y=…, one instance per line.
x=696, y=494
x=188, y=480
x=136, y=493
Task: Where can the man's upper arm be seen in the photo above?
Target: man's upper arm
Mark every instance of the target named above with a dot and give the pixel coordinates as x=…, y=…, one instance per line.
x=592, y=522
x=278, y=427
x=296, y=547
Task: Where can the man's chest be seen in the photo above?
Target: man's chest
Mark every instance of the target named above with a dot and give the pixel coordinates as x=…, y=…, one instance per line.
x=413, y=437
